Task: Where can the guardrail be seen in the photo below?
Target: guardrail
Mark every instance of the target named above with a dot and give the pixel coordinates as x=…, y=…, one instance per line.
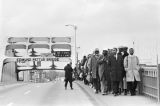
x=150, y=81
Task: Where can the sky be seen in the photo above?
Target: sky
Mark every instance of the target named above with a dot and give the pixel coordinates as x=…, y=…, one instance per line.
x=100, y=24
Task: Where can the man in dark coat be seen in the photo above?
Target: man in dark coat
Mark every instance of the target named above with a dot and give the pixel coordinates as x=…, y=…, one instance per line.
x=109, y=84
x=83, y=60
x=125, y=53
x=68, y=75
x=116, y=67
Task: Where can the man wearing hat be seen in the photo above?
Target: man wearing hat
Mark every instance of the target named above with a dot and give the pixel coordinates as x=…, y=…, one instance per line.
x=103, y=71
x=93, y=69
x=123, y=83
x=125, y=53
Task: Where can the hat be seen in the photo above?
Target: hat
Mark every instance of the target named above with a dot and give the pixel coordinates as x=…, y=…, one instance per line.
x=105, y=51
x=122, y=48
x=96, y=49
x=125, y=49
x=114, y=48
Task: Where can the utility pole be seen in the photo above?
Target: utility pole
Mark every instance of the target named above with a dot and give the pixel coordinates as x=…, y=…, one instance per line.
x=75, y=34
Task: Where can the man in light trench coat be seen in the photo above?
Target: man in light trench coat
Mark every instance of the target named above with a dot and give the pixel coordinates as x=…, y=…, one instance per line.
x=131, y=65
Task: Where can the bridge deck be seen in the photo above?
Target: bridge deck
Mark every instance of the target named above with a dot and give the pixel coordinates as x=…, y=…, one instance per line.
x=54, y=94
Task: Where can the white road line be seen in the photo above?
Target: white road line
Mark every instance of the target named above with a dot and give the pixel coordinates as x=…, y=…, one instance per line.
x=10, y=104
x=27, y=92
x=37, y=86
x=1, y=96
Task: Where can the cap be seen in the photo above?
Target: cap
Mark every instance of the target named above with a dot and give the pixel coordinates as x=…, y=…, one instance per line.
x=96, y=49
x=122, y=48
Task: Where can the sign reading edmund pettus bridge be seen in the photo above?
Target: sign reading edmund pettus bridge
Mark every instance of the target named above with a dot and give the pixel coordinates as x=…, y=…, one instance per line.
x=23, y=60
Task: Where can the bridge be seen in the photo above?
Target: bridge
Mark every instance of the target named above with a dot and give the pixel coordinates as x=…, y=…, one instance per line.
x=25, y=55
x=24, y=80
x=53, y=94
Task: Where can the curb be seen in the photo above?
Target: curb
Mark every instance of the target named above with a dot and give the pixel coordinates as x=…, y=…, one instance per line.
x=92, y=97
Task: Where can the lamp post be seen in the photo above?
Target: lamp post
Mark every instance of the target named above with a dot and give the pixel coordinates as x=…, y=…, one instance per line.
x=75, y=29
x=77, y=53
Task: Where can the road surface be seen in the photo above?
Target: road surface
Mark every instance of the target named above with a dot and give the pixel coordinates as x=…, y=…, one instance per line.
x=43, y=94
x=54, y=94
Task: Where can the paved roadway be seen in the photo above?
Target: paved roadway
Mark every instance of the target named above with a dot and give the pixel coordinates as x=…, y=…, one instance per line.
x=54, y=94
x=42, y=94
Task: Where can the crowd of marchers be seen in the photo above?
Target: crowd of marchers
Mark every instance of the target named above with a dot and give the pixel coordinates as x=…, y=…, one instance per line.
x=115, y=71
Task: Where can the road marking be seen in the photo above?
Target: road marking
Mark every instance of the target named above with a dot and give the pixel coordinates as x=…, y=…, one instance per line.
x=10, y=104
x=1, y=96
x=37, y=86
x=27, y=92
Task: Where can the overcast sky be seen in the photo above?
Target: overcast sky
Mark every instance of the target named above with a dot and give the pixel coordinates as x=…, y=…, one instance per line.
x=101, y=23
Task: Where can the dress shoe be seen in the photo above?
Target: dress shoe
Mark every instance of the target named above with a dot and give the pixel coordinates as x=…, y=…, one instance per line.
x=96, y=92
x=133, y=94
x=103, y=93
x=115, y=94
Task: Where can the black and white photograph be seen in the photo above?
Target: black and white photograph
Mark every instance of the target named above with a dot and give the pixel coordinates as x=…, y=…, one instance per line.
x=79, y=52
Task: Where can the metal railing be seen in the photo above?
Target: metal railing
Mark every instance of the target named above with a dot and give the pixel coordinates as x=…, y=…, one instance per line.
x=150, y=84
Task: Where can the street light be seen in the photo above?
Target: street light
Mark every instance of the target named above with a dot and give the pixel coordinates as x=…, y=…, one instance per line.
x=77, y=53
x=75, y=28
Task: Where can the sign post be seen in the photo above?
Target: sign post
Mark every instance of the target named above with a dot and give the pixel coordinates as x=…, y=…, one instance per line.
x=158, y=82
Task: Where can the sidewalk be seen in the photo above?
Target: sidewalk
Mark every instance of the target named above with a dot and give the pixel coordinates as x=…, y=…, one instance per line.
x=110, y=100
x=4, y=86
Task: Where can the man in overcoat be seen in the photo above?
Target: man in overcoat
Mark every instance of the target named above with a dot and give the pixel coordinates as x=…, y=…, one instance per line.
x=68, y=75
x=103, y=72
x=93, y=69
x=123, y=84
x=116, y=67
x=125, y=53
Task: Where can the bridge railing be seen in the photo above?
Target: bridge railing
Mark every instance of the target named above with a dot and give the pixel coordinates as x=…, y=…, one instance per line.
x=150, y=81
